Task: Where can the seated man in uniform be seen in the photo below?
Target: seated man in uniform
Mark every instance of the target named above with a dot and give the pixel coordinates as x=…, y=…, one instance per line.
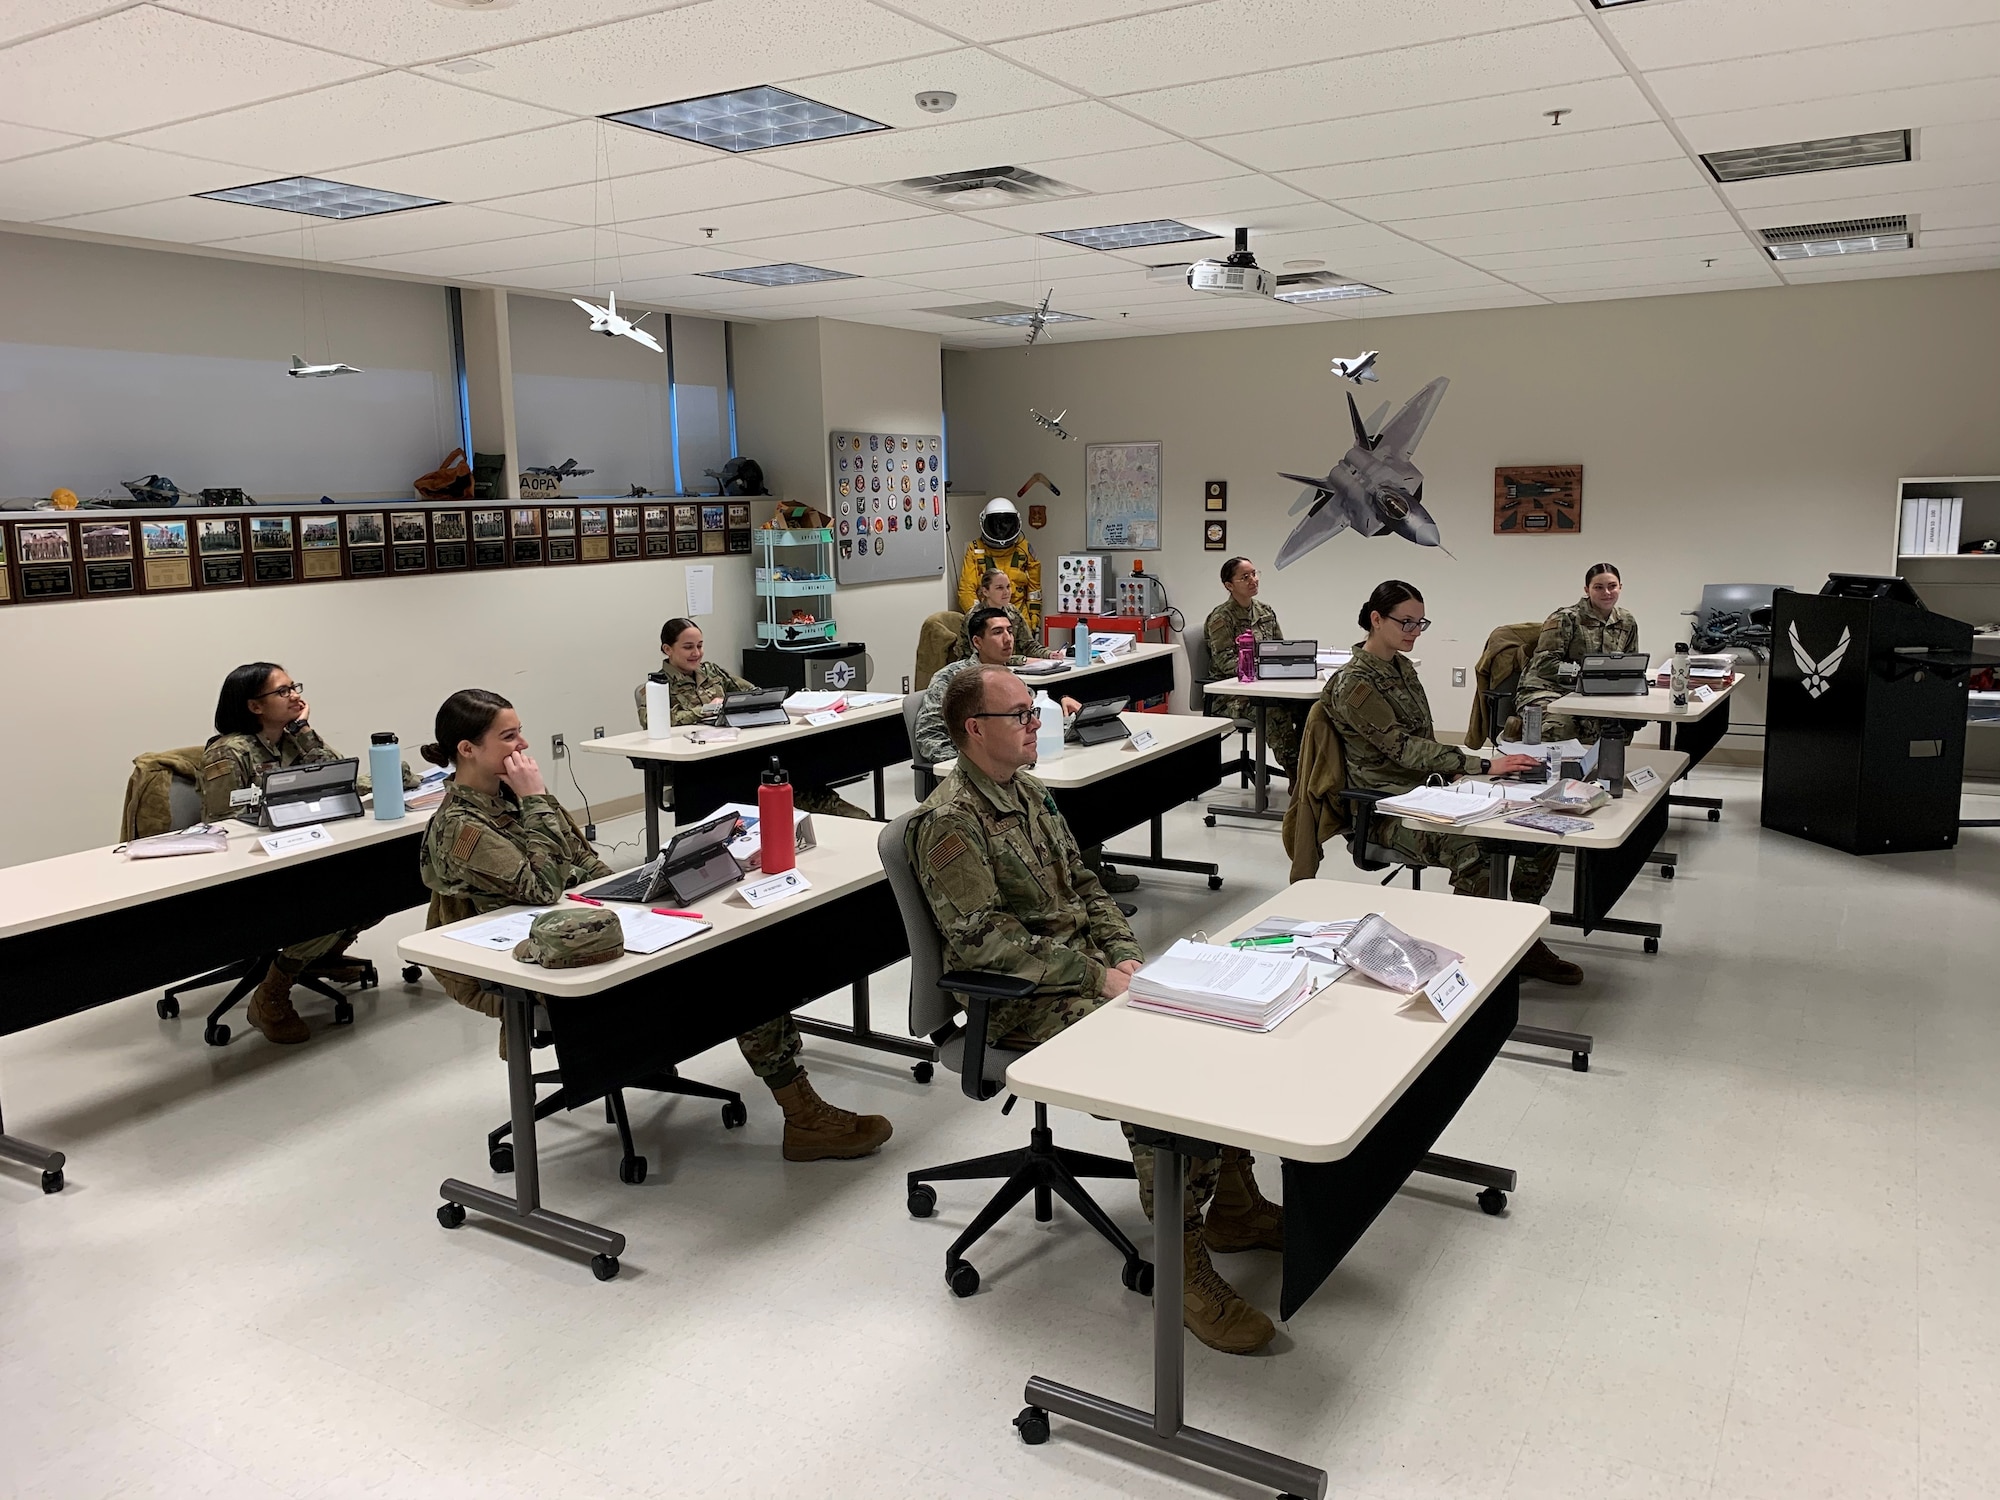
x=1012, y=895
x=1242, y=611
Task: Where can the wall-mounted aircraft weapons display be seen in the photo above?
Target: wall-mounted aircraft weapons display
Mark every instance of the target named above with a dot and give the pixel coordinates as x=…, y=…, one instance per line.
x=1376, y=487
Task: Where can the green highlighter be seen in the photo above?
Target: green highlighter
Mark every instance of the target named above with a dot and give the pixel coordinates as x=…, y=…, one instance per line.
x=1277, y=941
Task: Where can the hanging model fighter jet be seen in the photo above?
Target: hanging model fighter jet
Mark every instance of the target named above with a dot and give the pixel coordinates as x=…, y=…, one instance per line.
x=1053, y=424
x=300, y=370
x=1358, y=369
x=1375, y=488
x=605, y=320
x=1039, y=319
x=567, y=469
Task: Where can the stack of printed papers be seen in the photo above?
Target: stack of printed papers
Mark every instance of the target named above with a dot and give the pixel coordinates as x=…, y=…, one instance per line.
x=1244, y=988
x=1451, y=806
x=1105, y=643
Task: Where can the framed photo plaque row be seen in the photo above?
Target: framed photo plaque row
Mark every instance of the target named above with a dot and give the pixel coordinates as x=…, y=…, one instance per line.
x=50, y=555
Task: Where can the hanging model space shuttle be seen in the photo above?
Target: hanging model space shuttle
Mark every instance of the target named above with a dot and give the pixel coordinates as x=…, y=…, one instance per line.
x=300, y=370
x=607, y=321
x=1375, y=488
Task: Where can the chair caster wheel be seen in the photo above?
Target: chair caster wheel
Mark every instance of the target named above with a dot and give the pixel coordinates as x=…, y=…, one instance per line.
x=632, y=1170
x=1579, y=1062
x=1492, y=1201
x=1033, y=1425
x=923, y=1203
x=52, y=1181
x=1138, y=1277
x=216, y=1035
x=1209, y=819
x=1215, y=882
x=411, y=973
x=734, y=1115
x=922, y=1072
x=501, y=1159
x=166, y=1008
x=1666, y=872
x=604, y=1267
x=961, y=1278
x=1715, y=815
x=343, y=1012
x=1652, y=945
x=451, y=1215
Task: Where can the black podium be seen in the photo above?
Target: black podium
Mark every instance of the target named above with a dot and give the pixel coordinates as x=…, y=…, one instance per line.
x=1864, y=747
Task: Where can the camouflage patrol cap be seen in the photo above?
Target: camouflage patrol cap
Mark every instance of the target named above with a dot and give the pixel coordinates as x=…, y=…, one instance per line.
x=572, y=937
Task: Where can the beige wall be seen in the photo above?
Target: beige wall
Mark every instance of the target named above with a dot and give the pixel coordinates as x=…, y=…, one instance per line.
x=1751, y=436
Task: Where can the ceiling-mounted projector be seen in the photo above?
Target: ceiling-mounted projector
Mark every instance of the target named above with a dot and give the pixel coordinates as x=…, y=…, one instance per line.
x=1238, y=276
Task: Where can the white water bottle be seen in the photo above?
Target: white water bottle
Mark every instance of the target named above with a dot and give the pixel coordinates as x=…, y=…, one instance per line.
x=1049, y=733
x=1679, y=678
x=659, y=706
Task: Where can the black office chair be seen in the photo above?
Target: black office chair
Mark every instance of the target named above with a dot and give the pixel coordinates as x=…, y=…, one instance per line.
x=1499, y=700
x=924, y=778
x=245, y=974
x=1042, y=1167
x=1195, y=642
x=631, y=1165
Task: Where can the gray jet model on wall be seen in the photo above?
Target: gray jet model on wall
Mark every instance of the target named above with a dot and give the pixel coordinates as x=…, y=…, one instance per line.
x=1375, y=488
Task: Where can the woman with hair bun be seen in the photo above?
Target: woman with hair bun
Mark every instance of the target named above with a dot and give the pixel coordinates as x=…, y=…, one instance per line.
x=1389, y=743
x=1592, y=626
x=500, y=839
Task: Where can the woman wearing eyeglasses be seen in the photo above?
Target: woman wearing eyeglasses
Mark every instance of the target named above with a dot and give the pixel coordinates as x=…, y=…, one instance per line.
x=260, y=725
x=1591, y=626
x=1389, y=743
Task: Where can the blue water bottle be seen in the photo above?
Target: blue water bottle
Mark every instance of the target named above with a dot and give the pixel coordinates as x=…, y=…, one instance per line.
x=385, y=771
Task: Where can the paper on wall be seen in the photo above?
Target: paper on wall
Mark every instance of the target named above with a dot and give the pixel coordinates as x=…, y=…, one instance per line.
x=700, y=589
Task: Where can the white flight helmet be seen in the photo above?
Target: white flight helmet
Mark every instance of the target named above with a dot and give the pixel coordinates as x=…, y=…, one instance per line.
x=1000, y=524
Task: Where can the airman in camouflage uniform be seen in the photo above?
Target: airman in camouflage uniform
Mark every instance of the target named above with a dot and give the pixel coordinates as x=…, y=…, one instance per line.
x=963, y=650
x=1570, y=635
x=1225, y=623
x=692, y=692
x=1383, y=717
x=1011, y=894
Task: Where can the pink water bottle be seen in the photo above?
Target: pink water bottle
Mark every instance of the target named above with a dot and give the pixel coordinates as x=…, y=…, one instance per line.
x=1246, y=657
x=777, y=845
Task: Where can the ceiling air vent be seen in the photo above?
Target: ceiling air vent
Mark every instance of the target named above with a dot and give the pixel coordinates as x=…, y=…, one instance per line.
x=1837, y=237
x=1834, y=153
x=987, y=187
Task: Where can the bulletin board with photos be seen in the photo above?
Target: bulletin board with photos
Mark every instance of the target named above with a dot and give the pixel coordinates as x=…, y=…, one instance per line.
x=58, y=555
x=887, y=504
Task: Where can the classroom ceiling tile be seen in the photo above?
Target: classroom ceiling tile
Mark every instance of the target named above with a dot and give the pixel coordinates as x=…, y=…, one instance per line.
x=486, y=257
x=697, y=50
x=1915, y=108
x=863, y=239
x=1551, y=151
x=1704, y=31
x=1689, y=249
x=1832, y=72
x=390, y=114
x=1507, y=62
x=1651, y=208
x=1227, y=197
x=1166, y=165
x=399, y=32
x=1601, y=183
x=807, y=214
x=561, y=156
x=100, y=175
x=720, y=181
x=161, y=66
x=1499, y=235
x=995, y=20
x=25, y=140
x=415, y=229
x=23, y=18
x=967, y=145
x=986, y=85
x=1947, y=156
x=189, y=220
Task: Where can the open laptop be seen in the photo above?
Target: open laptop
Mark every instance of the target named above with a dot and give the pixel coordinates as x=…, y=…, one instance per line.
x=1615, y=674
x=1098, y=723
x=1277, y=660
x=696, y=862
x=757, y=709
x=324, y=792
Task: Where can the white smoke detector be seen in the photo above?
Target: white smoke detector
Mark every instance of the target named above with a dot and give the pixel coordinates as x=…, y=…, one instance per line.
x=936, y=101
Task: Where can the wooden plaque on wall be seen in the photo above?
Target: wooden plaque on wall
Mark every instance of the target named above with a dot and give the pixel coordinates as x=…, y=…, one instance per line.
x=1545, y=500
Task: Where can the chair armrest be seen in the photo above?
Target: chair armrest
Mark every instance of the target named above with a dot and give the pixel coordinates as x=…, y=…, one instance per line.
x=981, y=989
x=1363, y=801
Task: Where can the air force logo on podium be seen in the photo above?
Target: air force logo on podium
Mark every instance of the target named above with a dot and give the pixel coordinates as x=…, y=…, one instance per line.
x=1818, y=674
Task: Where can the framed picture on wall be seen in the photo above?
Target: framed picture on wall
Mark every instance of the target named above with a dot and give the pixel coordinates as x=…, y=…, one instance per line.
x=448, y=526
x=1121, y=497
x=1215, y=536
x=1215, y=494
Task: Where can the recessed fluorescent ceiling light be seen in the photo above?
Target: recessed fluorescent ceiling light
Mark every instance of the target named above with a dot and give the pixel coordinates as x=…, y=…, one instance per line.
x=784, y=274
x=752, y=119
x=1837, y=237
x=1024, y=319
x=1131, y=236
x=1339, y=291
x=320, y=198
x=1835, y=152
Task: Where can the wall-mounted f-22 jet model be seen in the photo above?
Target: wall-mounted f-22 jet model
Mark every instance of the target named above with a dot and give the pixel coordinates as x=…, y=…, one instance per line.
x=1375, y=488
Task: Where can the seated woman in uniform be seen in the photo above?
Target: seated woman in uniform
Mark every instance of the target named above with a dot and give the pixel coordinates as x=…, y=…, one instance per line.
x=696, y=686
x=1383, y=717
x=261, y=724
x=501, y=839
x=1590, y=627
x=1242, y=611
x=996, y=591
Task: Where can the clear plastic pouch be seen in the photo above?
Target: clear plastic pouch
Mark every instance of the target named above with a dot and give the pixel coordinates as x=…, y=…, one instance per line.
x=1388, y=955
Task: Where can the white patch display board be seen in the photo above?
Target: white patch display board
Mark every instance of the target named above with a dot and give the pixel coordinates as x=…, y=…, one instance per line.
x=887, y=503
x=1121, y=496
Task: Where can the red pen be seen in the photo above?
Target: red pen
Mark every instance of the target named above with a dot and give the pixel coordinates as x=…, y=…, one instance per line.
x=667, y=911
x=584, y=899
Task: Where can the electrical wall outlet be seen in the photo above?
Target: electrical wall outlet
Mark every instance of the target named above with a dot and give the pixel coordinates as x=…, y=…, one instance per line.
x=1458, y=677
x=558, y=747
x=906, y=686
x=597, y=733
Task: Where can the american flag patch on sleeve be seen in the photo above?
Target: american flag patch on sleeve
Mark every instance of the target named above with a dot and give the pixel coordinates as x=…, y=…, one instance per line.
x=944, y=851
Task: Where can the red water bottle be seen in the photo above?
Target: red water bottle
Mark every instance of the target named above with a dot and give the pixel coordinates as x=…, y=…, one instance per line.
x=1246, y=657
x=777, y=845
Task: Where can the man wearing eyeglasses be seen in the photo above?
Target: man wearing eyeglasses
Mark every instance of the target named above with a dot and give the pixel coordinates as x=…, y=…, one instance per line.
x=1011, y=894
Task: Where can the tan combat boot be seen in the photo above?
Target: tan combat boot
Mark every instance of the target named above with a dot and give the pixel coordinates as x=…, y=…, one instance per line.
x=1213, y=1310
x=1542, y=962
x=1241, y=1217
x=271, y=1010
x=815, y=1130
